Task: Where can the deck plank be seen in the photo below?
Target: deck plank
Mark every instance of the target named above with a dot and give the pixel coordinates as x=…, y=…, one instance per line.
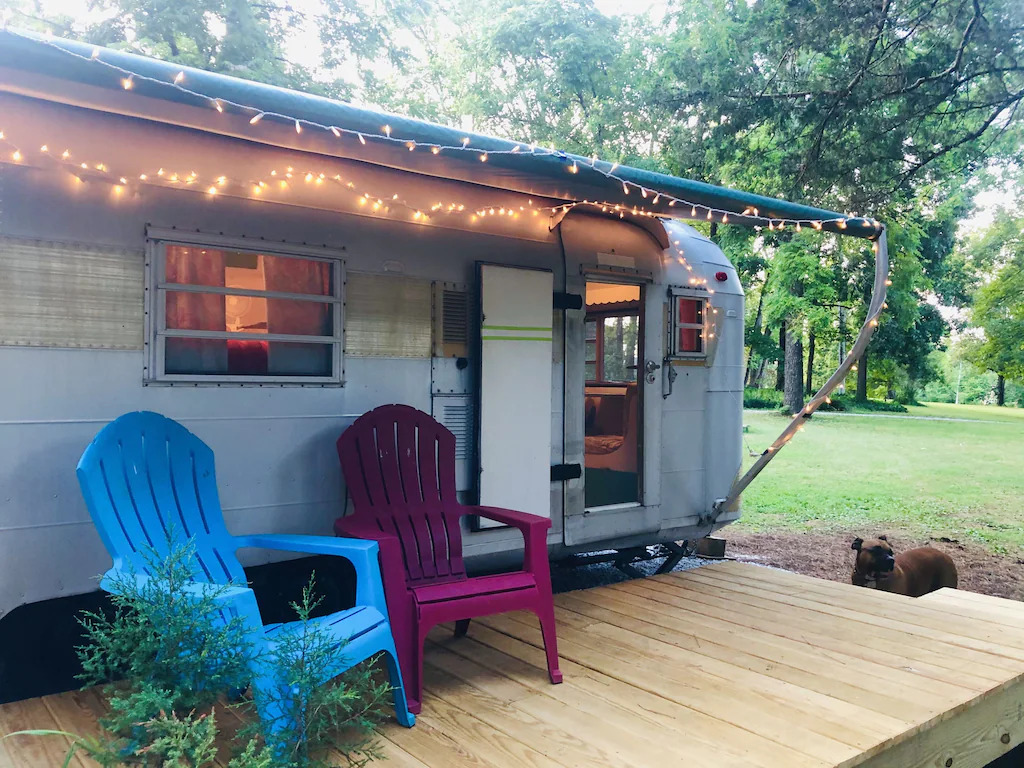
x=881, y=644
x=708, y=741
x=966, y=604
x=925, y=618
x=42, y=751
x=849, y=679
x=693, y=688
x=728, y=666
x=895, y=638
x=827, y=665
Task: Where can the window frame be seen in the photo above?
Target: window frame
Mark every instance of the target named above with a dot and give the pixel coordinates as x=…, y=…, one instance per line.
x=675, y=294
x=599, y=316
x=156, y=288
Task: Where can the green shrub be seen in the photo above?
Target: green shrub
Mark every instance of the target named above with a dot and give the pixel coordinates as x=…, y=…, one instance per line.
x=761, y=398
x=340, y=715
x=166, y=656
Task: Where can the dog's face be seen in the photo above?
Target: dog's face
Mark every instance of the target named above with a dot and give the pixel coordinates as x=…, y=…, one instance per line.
x=874, y=556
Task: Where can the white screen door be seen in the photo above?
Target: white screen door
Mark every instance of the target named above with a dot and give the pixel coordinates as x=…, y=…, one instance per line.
x=515, y=389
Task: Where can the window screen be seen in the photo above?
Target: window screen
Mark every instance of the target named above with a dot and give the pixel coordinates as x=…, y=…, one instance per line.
x=247, y=316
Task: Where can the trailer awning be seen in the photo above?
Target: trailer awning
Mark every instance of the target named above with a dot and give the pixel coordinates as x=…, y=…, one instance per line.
x=112, y=81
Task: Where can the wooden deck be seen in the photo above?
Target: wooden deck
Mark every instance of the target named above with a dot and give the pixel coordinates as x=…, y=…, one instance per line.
x=728, y=665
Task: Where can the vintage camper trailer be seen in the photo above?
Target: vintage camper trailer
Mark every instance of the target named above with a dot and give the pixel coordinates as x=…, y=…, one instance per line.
x=265, y=266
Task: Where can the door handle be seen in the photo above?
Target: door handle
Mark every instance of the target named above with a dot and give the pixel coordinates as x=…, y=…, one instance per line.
x=649, y=368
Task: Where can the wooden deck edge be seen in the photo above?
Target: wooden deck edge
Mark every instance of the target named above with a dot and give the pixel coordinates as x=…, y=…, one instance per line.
x=976, y=733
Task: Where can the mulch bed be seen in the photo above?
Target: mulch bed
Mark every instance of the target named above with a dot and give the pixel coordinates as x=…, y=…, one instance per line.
x=828, y=556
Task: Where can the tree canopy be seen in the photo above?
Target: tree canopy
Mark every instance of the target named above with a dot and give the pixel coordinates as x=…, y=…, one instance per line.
x=885, y=108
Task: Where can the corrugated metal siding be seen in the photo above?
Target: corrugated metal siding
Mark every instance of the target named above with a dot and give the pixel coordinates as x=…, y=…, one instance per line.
x=387, y=316
x=62, y=295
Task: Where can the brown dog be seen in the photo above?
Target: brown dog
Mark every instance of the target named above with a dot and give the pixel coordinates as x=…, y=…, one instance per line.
x=916, y=572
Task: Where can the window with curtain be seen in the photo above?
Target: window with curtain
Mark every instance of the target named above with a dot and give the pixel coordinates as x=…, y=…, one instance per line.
x=246, y=316
x=688, y=327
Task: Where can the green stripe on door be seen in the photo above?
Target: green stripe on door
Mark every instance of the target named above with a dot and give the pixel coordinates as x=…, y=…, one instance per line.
x=516, y=338
x=516, y=327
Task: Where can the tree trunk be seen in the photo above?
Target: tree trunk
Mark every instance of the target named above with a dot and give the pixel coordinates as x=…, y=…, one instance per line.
x=759, y=374
x=780, y=381
x=862, y=378
x=757, y=331
x=1000, y=389
x=809, y=389
x=793, y=396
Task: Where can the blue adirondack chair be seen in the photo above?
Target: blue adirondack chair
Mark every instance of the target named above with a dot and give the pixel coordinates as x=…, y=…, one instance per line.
x=145, y=475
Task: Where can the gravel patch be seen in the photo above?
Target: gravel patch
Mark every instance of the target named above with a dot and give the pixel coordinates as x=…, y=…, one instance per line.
x=568, y=578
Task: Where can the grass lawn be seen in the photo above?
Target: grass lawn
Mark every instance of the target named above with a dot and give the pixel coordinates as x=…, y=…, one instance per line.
x=871, y=473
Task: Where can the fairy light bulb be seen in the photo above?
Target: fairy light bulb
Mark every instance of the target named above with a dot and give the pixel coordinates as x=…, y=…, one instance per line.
x=435, y=150
x=483, y=158
x=465, y=142
x=127, y=83
x=64, y=155
x=95, y=53
x=625, y=188
x=574, y=168
x=693, y=211
x=361, y=139
x=298, y=127
x=16, y=156
x=387, y=131
x=256, y=118
x=218, y=106
x=336, y=132
x=211, y=191
x=178, y=78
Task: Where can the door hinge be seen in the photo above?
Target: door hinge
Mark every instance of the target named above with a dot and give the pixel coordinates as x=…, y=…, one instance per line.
x=568, y=301
x=562, y=472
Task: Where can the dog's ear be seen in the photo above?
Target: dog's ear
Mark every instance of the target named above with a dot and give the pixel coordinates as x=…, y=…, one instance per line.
x=856, y=543
x=883, y=538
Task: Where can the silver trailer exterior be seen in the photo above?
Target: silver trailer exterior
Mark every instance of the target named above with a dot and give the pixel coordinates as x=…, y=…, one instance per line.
x=80, y=282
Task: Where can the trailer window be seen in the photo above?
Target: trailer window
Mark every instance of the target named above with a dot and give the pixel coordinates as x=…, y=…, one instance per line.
x=233, y=315
x=688, y=328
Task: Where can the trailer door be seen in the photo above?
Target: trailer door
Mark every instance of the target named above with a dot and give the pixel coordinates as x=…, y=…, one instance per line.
x=514, y=441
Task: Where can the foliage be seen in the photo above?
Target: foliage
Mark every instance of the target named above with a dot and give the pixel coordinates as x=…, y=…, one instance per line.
x=999, y=303
x=167, y=654
x=316, y=718
x=762, y=398
x=770, y=399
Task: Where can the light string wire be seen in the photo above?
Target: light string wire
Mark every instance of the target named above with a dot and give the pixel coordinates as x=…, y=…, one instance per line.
x=572, y=164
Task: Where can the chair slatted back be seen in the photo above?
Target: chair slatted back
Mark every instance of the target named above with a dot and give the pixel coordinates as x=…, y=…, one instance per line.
x=149, y=482
x=399, y=467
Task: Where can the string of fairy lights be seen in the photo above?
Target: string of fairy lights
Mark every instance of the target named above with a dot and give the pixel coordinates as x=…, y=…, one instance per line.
x=282, y=180
x=130, y=80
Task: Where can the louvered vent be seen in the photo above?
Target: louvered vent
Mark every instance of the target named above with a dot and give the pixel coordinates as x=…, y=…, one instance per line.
x=459, y=419
x=456, y=317
x=451, y=321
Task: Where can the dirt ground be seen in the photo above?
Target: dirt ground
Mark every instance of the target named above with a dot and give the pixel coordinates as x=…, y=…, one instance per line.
x=828, y=556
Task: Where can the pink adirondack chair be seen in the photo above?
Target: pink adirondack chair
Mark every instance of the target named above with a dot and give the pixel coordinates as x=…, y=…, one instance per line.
x=399, y=466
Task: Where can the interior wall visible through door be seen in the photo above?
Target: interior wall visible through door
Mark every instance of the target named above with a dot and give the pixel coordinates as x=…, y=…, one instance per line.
x=612, y=407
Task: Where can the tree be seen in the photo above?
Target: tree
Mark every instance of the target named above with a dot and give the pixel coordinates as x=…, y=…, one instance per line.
x=866, y=106
x=245, y=38
x=999, y=304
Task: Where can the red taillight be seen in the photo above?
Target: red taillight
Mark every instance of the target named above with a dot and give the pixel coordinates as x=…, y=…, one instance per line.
x=721, y=277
